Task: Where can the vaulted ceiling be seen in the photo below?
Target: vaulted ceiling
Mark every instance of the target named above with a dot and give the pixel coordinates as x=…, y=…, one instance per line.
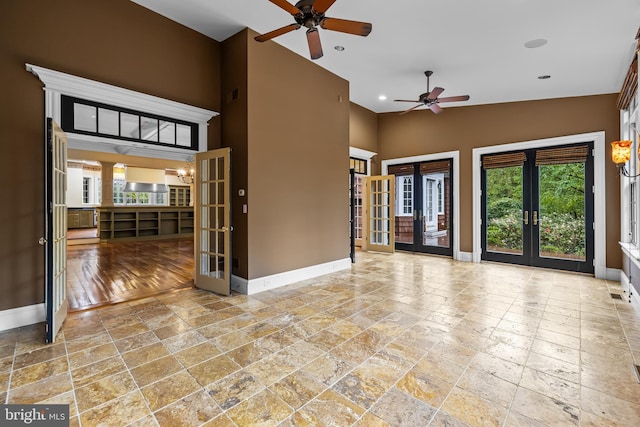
x=474, y=47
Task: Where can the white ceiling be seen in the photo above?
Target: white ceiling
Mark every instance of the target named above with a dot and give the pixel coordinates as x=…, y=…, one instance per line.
x=474, y=47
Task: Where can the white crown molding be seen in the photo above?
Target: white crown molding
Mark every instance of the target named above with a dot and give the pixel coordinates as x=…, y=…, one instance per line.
x=80, y=87
x=360, y=153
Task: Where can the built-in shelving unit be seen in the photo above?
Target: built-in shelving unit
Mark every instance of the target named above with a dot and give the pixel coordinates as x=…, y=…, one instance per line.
x=133, y=223
x=179, y=195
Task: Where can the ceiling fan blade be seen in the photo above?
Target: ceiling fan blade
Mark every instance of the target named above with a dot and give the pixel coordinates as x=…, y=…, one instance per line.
x=321, y=6
x=435, y=108
x=276, y=33
x=284, y=4
x=410, y=109
x=345, y=26
x=433, y=95
x=313, y=38
x=405, y=100
x=454, y=98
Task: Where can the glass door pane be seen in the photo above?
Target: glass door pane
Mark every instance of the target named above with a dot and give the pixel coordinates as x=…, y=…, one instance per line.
x=405, y=209
x=561, y=213
x=435, y=226
x=505, y=215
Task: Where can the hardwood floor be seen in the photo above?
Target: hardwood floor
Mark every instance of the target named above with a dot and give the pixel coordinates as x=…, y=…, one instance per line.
x=107, y=273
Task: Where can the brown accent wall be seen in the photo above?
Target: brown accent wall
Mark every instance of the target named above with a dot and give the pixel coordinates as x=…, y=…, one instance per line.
x=235, y=134
x=298, y=161
x=465, y=128
x=363, y=132
x=115, y=42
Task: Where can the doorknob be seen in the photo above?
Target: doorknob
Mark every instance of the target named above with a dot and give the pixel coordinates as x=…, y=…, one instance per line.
x=526, y=218
x=535, y=217
x=42, y=241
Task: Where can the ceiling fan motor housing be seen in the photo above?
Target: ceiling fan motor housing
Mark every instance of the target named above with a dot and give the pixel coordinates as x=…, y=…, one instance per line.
x=308, y=18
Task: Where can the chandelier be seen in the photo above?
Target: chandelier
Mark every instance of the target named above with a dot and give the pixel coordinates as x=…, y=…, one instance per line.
x=187, y=175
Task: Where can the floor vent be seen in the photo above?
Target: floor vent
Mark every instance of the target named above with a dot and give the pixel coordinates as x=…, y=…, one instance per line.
x=636, y=369
x=616, y=296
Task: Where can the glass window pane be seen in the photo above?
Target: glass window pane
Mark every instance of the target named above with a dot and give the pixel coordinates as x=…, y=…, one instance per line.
x=84, y=117
x=149, y=129
x=107, y=121
x=183, y=134
x=504, y=210
x=562, y=211
x=167, y=132
x=129, y=125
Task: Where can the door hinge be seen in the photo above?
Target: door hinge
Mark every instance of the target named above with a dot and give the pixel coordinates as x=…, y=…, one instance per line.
x=594, y=225
x=593, y=189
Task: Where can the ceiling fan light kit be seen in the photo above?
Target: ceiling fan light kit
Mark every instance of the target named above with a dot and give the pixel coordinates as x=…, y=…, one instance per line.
x=431, y=98
x=311, y=14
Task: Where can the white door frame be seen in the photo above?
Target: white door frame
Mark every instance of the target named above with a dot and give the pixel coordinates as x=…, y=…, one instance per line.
x=455, y=155
x=600, y=231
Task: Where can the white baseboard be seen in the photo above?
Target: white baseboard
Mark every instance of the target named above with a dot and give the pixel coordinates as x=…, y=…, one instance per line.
x=629, y=292
x=613, y=274
x=464, y=256
x=274, y=281
x=22, y=316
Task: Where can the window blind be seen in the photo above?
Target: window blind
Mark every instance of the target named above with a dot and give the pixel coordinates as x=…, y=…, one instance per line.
x=506, y=160
x=435, y=166
x=557, y=156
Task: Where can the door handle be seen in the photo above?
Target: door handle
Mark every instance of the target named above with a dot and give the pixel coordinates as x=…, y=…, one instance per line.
x=526, y=218
x=535, y=217
x=42, y=241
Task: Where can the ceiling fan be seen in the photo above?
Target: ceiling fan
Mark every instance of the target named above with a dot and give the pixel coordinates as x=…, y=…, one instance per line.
x=431, y=98
x=310, y=14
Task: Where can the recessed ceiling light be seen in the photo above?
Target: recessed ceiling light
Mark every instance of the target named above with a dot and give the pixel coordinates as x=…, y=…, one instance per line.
x=382, y=97
x=532, y=44
x=339, y=48
x=544, y=77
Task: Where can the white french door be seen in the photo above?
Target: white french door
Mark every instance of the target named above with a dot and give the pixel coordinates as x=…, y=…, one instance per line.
x=55, y=241
x=213, y=216
x=379, y=218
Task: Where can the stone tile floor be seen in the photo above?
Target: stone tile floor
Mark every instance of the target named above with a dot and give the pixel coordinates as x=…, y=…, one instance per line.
x=400, y=340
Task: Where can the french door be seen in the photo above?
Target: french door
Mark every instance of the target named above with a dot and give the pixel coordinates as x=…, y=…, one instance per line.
x=378, y=223
x=423, y=207
x=55, y=240
x=537, y=207
x=213, y=216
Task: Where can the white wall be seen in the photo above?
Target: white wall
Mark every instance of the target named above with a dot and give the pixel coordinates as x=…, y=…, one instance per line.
x=74, y=187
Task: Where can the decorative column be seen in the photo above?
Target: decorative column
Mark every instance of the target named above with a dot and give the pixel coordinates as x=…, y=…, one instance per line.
x=107, y=183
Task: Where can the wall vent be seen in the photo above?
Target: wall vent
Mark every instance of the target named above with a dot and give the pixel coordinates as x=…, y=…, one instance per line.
x=616, y=296
x=636, y=370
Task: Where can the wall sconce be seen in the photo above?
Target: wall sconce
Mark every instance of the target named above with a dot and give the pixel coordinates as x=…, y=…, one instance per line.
x=620, y=154
x=187, y=176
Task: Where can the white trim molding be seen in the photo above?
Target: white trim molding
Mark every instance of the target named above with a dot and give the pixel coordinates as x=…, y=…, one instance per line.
x=455, y=155
x=359, y=153
x=22, y=316
x=57, y=84
x=253, y=286
x=600, y=232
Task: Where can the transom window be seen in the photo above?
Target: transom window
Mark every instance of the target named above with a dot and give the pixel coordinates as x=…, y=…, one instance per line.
x=94, y=118
x=358, y=165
